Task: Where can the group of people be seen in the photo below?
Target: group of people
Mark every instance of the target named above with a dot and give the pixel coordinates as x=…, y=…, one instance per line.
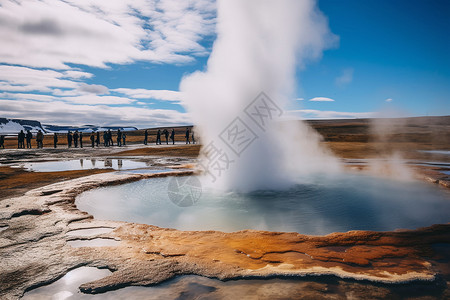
x=165, y=132
x=75, y=139
x=22, y=137
x=108, y=138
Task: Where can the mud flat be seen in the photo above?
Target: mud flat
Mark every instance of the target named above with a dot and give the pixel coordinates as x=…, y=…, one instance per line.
x=35, y=247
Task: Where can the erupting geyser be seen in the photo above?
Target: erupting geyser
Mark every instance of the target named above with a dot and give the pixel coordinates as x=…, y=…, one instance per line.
x=259, y=47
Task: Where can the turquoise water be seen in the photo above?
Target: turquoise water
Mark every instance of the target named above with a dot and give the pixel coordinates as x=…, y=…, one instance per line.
x=321, y=206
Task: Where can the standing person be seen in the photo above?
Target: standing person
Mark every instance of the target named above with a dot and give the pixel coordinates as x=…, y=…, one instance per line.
x=145, y=137
x=81, y=139
x=166, y=134
x=92, y=139
x=29, y=137
x=75, y=139
x=172, y=136
x=55, y=140
x=21, y=140
x=193, y=137
x=97, y=140
x=187, y=136
x=2, y=141
x=39, y=139
x=110, y=139
x=105, y=138
x=124, y=139
x=119, y=138
x=69, y=139
x=158, y=137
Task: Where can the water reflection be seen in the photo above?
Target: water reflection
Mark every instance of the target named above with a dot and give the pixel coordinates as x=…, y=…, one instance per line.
x=346, y=203
x=84, y=164
x=197, y=287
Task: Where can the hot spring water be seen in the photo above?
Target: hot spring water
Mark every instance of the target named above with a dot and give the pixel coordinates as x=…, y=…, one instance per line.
x=321, y=206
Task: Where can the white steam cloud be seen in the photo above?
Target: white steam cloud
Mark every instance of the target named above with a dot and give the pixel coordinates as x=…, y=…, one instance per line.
x=259, y=46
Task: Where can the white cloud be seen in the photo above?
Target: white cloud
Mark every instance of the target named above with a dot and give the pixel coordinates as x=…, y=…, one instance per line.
x=77, y=74
x=27, y=96
x=299, y=99
x=40, y=40
x=93, y=88
x=321, y=99
x=388, y=100
x=321, y=114
x=150, y=94
x=15, y=78
x=63, y=113
x=345, y=78
x=95, y=99
x=53, y=34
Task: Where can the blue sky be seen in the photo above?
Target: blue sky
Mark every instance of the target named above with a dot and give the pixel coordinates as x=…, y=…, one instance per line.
x=121, y=62
x=395, y=50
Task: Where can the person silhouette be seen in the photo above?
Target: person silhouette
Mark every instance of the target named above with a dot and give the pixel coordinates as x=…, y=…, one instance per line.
x=69, y=139
x=172, y=136
x=97, y=140
x=21, y=140
x=40, y=139
x=158, y=137
x=193, y=137
x=2, y=141
x=92, y=138
x=110, y=139
x=75, y=139
x=187, y=136
x=166, y=134
x=55, y=140
x=145, y=137
x=124, y=139
x=29, y=137
x=105, y=138
x=119, y=138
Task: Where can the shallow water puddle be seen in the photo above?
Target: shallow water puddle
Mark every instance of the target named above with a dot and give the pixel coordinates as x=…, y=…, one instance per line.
x=83, y=164
x=67, y=286
x=197, y=287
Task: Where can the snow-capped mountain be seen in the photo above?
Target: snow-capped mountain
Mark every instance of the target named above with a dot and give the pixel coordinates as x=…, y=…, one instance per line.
x=14, y=126
x=84, y=128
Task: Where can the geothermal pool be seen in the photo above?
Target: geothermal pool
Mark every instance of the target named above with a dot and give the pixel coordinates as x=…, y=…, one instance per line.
x=321, y=206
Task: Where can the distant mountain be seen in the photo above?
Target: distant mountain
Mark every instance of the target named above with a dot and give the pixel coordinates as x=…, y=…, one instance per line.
x=14, y=126
x=84, y=128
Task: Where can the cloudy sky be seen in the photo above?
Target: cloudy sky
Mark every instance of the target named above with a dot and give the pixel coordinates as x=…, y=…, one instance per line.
x=120, y=62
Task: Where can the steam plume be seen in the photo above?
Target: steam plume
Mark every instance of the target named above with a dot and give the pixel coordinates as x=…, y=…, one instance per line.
x=259, y=47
